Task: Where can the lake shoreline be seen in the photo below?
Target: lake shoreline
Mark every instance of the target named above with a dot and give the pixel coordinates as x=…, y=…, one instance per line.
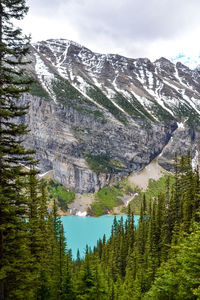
x=82, y=231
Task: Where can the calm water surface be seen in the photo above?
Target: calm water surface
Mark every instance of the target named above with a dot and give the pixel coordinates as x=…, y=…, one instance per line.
x=80, y=231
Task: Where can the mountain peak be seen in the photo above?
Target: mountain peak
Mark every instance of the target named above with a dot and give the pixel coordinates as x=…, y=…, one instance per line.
x=163, y=61
x=126, y=88
x=197, y=68
x=180, y=65
x=103, y=103
x=63, y=42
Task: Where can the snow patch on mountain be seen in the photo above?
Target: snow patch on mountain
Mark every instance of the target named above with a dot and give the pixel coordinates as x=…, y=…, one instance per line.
x=195, y=160
x=158, y=84
x=82, y=85
x=181, y=125
x=190, y=102
x=44, y=75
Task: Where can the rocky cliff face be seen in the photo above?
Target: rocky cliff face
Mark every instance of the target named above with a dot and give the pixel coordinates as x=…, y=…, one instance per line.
x=62, y=138
x=183, y=140
x=89, y=110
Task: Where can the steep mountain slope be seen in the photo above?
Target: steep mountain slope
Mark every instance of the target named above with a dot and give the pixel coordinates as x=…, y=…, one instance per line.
x=92, y=114
x=135, y=87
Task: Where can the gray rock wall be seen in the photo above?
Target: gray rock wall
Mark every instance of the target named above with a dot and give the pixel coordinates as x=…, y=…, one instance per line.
x=61, y=136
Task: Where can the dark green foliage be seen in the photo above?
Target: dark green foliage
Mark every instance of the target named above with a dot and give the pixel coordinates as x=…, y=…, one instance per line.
x=68, y=95
x=98, y=163
x=90, y=283
x=32, y=246
x=127, y=106
x=140, y=108
x=37, y=90
x=61, y=193
x=187, y=114
x=102, y=163
x=133, y=108
x=157, y=187
x=157, y=260
x=106, y=199
x=161, y=113
x=154, y=189
x=178, y=278
x=98, y=114
x=14, y=250
x=96, y=94
x=160, y=258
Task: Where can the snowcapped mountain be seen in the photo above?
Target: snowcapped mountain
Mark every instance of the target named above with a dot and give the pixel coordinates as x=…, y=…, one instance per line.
x=109, y=108
x=134, y=87
x=197, y=69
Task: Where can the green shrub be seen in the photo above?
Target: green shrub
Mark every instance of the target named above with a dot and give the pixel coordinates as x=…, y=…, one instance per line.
x=61, y=193
x=133, y=108
x=102, y=163
x=36, y=89
x=161, y=113
x=69, y=95
x=106, y=199
x=156, y=187
x=96, y=94
x=98, y=163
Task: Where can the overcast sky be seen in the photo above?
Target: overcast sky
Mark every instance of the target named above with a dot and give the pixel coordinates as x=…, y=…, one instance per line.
x=133, y=28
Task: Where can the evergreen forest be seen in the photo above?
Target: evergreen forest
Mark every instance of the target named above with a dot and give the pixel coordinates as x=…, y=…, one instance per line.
x=157, y=259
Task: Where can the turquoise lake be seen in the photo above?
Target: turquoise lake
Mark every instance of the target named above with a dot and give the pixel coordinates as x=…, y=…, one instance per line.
x=82, y=231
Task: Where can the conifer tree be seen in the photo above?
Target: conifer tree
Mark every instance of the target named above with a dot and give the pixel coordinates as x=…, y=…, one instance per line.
x=68, y=287
x=57, y=252
x=133, y=259
x=13, y=248
x=42, y=240
x=178, y=278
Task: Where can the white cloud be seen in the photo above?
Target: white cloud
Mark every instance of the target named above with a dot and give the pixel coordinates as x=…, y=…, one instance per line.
x=134, y=28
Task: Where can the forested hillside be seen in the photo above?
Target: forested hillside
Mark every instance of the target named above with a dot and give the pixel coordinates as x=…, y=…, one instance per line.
x=158, y=259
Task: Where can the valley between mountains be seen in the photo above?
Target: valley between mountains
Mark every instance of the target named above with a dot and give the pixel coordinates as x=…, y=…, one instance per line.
x=95, y=119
